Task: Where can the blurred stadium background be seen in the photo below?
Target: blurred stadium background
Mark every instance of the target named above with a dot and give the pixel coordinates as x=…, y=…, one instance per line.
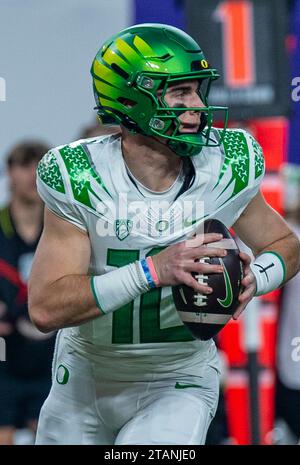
x=46, y=51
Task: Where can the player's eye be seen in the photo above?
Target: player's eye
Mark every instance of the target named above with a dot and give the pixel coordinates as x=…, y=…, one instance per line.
x=182, y=92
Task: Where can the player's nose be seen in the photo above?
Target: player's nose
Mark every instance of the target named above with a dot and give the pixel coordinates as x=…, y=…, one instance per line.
x=196, y=101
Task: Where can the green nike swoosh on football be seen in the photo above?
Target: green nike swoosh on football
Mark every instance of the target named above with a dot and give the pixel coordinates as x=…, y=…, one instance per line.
x=227, y=301
x=186, y=386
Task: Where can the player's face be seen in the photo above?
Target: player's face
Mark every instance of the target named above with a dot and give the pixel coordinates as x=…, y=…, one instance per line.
x=185, y=94
x=23, y=181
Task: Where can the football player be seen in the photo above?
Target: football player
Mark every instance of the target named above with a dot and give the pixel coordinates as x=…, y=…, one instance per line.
x=119, y=212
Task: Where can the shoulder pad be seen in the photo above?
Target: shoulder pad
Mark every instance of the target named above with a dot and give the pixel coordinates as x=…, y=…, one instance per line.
x=241, y=151
x=49, y=172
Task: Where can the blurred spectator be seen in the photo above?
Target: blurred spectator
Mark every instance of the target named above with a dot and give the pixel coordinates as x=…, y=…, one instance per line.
x=25, y=375
x=288, y=356
x=97, y=129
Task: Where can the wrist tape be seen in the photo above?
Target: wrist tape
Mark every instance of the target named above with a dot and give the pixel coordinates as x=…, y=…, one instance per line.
x=119, y=287
x=269, y=271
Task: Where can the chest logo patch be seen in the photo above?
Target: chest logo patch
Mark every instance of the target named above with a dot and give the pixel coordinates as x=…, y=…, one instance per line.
x=123, y=228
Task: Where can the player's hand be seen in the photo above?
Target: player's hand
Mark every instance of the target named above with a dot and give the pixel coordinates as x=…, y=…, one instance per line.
x=249, y=284
x=175, y=264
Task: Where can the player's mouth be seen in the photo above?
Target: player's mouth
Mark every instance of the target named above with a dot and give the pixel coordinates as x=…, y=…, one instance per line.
x=189, y=127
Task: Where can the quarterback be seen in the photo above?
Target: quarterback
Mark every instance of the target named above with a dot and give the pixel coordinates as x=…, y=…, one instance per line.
x=121, y=213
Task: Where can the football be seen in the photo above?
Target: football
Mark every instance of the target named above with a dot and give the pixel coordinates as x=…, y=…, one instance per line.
x=206, y=315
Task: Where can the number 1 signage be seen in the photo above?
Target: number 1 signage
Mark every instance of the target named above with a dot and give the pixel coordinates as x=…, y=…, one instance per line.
x=245, y=41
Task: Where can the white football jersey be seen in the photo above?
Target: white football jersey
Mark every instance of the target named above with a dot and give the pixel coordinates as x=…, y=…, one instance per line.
x=88, y=184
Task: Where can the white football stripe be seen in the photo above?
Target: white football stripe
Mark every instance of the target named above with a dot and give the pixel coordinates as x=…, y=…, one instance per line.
x=182, y=295
x=224, y=244
x=201, y=317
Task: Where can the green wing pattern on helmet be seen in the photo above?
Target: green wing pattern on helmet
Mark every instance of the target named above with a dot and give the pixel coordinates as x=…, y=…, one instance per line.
x=237, y=158
x=81, y=174
x=49, y=173
x=142, y=46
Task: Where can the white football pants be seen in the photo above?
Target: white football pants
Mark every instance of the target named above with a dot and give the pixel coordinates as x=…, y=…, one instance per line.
x=86, y=407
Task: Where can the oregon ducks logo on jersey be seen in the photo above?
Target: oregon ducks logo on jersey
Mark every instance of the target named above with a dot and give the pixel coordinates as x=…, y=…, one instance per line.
x=123, y=228
x=62, y=374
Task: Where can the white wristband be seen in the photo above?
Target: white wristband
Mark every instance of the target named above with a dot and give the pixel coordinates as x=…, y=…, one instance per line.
x=119, y=287
x=269, y=271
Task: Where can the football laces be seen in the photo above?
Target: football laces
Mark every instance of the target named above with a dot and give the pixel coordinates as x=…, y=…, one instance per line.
x=200, y=299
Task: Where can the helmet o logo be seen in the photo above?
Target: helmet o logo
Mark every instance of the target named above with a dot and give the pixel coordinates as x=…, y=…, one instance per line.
x=204, y=64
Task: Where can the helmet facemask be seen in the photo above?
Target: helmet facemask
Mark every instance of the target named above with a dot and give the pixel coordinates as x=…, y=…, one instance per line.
x=165, y=121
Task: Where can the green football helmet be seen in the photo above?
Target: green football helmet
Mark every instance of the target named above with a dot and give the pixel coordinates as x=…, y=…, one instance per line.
x=133, y=65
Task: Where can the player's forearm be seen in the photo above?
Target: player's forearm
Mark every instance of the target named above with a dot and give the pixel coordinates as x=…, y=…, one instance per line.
x=69, y=301
x=74, y=299
x=289, y=250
